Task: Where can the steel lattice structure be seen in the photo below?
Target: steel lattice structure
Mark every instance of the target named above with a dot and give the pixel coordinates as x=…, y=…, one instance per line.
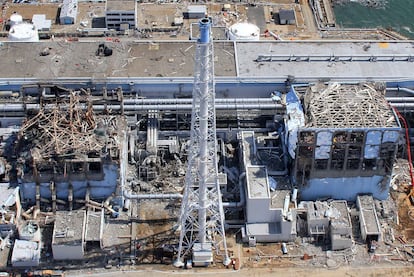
x=202, y=216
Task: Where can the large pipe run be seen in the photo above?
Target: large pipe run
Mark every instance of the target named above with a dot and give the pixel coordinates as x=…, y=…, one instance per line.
x=175, y=101
x=129, y=195
x=403, y=105
x=178, y=107
x=407, y=90
x=242, y=201
x=399, y=99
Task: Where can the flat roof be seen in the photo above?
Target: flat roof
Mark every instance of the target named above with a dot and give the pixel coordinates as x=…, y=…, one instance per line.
x=258, y=185
x=68, y=227
x=40, y=21
x=316, y=210
x=286, y=14
x=278, y=198
x=120, y=5
x=249, y=148
x=197, y=9
x=25, y=252
x=368, y=214
x=93, y=226
x=7, y=194
x=343, y=219
x=326, y=59
x=304, y=60
x=69, y=8
x=129, y=59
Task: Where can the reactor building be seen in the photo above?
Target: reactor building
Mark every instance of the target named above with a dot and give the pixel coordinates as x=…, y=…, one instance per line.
x=343, y=139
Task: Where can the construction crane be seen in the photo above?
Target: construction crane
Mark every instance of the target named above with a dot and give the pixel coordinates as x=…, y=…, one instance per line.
x=201, y=220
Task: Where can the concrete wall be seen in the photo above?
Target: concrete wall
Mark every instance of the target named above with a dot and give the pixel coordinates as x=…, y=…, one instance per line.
x=339, y=242
x=285, y=231
x=67, y=252
x=99, y=189
x=257, y=210
x=344, y=188
x=114, y=19
x=25, y=253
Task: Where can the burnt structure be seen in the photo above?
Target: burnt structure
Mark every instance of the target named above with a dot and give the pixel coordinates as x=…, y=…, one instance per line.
x=346, y=141
x=66, y=151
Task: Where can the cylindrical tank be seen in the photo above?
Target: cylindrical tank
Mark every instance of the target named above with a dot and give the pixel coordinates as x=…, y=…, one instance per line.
x=15, y=19
x=244, y=31
x=23, y=32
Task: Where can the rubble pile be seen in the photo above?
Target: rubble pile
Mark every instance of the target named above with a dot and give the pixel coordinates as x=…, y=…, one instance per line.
x=401, y=175
x=56, y=131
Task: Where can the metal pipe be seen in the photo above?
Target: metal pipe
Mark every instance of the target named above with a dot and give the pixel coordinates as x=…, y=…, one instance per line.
x=235, y=221
x=402, y=105
x=70, y=197
x=38, y=195
x=228, y=106
x=399, y=99
x=129, y=195
x=53, y=194
x=127, y=204
x=242, y=201
x=286, y=205
x=175, y=101
x=261, y=106
x=132, y=147
x=407, y=90
x=233, y=226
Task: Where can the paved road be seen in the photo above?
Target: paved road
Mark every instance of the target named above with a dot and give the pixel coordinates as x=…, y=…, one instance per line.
x=374, y=270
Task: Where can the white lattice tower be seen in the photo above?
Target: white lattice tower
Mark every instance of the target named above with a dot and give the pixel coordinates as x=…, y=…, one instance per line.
x=202, y=217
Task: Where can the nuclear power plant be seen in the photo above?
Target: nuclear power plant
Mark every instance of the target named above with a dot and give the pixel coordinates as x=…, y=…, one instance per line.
x=215, y=153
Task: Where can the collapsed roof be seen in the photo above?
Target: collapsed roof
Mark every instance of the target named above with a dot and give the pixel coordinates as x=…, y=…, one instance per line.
x=348, y=106
x=67, y=128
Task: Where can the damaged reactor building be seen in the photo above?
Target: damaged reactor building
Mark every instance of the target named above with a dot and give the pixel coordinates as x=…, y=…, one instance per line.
x=112, y=170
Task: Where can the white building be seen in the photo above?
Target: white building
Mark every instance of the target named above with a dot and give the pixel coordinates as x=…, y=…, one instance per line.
x=25, y=253
x=121, y=14
x=41, y=23
x=269, y=217
x=68, y=12
x=195, y=12
x=68, y=235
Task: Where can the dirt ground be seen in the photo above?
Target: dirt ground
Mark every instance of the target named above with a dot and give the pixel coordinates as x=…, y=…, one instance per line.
x=28, y=10
x=406, y=220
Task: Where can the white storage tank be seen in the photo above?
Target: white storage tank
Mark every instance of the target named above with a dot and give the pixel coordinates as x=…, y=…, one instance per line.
x=15, y=19
x=244, y=31
x=23, y=32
